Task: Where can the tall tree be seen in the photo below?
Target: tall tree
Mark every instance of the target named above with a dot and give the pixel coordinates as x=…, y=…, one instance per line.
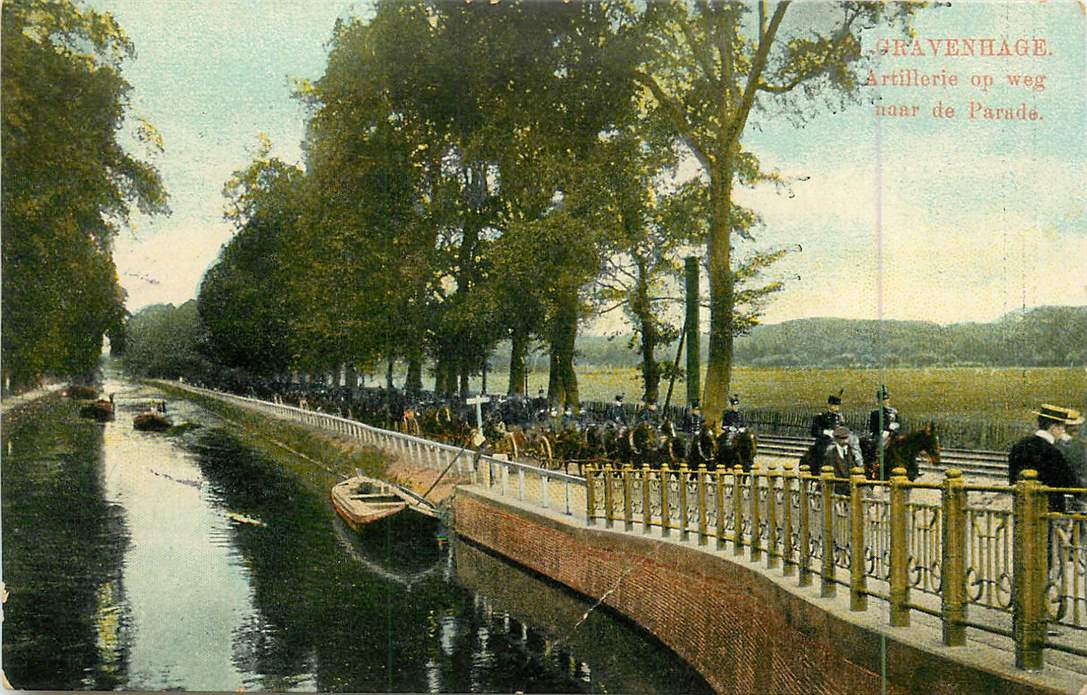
x=68, y=184
x=708, y=67
x=244, y=300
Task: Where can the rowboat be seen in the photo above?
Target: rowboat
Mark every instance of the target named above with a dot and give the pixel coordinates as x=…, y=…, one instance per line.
x=360, y=500
x=151, y=421
x=101, y=410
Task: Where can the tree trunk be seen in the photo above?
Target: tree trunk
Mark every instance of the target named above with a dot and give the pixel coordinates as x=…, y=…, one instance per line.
x=722, y=296
x=462, y=372
x=555, y=391
x=440, y=372
x=562, y=349
x=518, y=352
x=414, y=381
x=389, y=374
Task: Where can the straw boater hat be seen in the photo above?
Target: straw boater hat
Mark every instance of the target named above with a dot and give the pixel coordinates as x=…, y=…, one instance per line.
x=841, y=432
x=1064, y=416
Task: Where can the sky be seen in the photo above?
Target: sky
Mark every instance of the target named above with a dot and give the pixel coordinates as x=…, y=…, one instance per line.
x=916, y=218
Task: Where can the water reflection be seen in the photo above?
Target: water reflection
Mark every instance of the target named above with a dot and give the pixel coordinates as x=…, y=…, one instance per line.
x=64, y=623
x=143, y=561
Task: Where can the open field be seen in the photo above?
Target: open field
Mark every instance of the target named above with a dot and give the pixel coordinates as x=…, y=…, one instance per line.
x=983, y=407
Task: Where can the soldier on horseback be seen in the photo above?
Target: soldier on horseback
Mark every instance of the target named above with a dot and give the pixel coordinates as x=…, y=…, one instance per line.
x=692, y=422
x=883, y=421
x=615, y=412
x=649, y=414
x=823, y=424
x=732, y=418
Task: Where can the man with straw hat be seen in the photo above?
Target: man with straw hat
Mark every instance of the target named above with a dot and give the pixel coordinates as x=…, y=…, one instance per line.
x=1039, y=452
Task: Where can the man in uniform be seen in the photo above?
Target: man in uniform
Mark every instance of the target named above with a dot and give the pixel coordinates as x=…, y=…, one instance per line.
x=1039, y=452
x=692, y=423
x=883, y=421
x=823, y=424
x=615, y=412
x=732, y=417
x=650, y=414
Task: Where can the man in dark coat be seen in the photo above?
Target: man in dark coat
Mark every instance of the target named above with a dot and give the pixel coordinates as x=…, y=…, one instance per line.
x=732, y=417
x=823, y=424
x=883, y=421
x=649, y=414
x=841, y=454
x=615, y=412
x=692, y=423
x=1039, y=452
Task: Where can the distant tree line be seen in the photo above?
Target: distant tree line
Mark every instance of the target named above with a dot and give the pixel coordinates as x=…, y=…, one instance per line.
x=67, y=186
x=165, y=341
x=486, y=173
x=1040, y=337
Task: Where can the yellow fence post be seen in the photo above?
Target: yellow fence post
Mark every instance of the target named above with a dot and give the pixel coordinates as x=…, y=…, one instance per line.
x=803, y=478
x=900, y=552
x=607, y=496
x=683, y=501
x=703, y=530
x=771, y=517
x=647, y=508
x=787, y=559
x=756, y=517
x=1029, y=580
x=628, y=514
x=666, y=516
x=828, y=588
x=953, y=559
x=590, y=501
x=719, y=505
x=858, y=582
x=737, y=511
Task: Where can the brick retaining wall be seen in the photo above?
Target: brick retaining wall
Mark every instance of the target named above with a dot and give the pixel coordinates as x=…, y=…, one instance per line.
x=741, y=630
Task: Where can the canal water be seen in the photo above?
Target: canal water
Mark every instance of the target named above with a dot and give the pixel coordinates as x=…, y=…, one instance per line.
x=196, y=560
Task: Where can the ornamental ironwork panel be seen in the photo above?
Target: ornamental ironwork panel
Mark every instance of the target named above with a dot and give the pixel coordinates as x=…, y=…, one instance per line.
x=1066, y=592
x=989, y=545
x=923, y=534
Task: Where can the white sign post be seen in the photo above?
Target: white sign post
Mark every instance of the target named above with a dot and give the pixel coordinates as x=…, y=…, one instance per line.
x=478, y=401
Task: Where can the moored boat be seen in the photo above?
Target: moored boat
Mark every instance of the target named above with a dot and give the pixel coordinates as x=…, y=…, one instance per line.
x=98, y=410
x=361, y=500
x=151, y=421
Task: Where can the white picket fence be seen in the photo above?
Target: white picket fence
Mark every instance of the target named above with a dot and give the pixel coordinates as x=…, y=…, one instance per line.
x=551, y=490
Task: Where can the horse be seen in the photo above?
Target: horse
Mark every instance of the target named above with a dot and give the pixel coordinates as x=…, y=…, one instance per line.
x=674, y=447
x=901, y=452
x=642, y=445
x=703, y=448
x=736, y=447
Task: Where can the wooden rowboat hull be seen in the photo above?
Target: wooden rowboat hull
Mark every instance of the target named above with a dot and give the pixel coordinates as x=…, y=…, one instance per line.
x=152, y=422
x=357, y=512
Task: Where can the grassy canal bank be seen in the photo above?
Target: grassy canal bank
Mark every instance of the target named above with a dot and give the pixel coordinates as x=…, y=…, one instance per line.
x=320, y=458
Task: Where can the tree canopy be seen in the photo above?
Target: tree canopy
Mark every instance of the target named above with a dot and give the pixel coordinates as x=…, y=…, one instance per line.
x=68, y=185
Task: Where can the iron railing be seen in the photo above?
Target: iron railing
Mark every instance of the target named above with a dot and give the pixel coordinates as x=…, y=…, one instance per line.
x=990, y=557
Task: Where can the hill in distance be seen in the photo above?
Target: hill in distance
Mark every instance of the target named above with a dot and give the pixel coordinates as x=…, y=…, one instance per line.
x=1048, y=336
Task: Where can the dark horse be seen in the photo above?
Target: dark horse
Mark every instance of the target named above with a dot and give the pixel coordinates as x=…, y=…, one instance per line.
x=736, y=448
x=902, y=452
